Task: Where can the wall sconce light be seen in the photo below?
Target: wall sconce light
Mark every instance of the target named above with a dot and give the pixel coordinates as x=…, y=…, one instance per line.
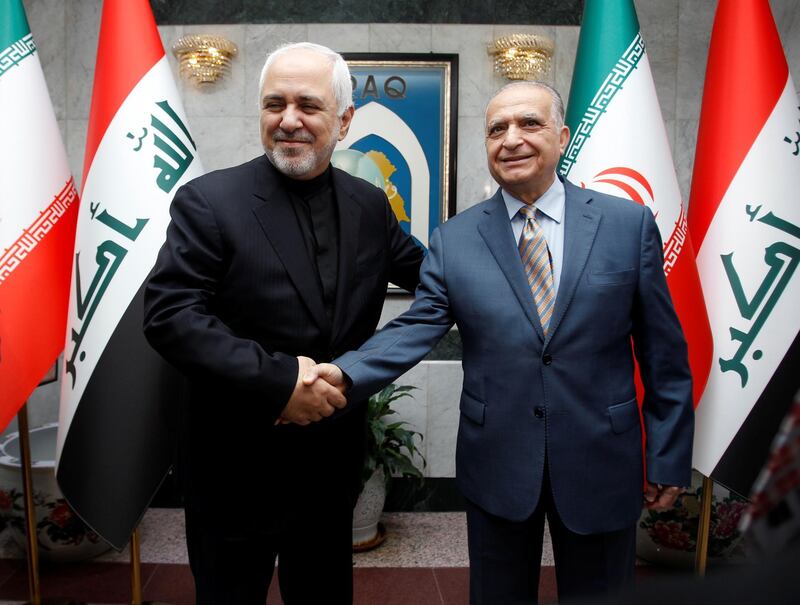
x=204, y=59
x=522, y=56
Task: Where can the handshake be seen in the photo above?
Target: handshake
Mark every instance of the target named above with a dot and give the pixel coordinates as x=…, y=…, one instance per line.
x=318, y=393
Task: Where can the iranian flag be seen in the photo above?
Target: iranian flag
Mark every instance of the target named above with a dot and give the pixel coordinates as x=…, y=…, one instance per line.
x=114, y=438
x=38, y=209
x=619, y=146
x=745, y=221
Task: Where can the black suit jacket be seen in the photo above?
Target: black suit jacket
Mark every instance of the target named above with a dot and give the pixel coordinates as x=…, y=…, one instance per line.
x=231, y=302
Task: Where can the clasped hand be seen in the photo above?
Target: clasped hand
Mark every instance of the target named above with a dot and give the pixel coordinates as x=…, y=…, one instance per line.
x=318, y=392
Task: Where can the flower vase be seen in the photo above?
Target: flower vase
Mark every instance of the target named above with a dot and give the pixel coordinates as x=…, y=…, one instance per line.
x=670, y=537
x=61, y=535
x=367, y=513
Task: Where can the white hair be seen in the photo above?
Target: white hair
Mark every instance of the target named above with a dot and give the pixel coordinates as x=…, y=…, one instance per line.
x=340, y=73
x=556, y=106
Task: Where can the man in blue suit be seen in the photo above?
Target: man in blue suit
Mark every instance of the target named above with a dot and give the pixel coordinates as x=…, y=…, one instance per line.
x=555, y=290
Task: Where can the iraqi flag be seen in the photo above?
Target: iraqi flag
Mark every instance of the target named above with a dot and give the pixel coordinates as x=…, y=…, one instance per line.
x=114, y=437
x=619, y=146
x=745, y=222
x=38, y=209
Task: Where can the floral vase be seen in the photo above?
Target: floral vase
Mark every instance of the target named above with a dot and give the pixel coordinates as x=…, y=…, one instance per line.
x=670, y=537
x=61, y=535
x=368, y=511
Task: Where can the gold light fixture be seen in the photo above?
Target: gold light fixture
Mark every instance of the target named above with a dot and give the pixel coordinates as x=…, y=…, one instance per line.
x=204, y=59
x=522, y=56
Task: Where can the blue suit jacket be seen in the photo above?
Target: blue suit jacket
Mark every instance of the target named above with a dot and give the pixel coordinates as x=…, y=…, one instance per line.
x=570, y=395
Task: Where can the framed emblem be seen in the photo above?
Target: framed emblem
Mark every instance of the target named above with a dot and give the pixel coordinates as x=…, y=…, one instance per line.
x=403, y=135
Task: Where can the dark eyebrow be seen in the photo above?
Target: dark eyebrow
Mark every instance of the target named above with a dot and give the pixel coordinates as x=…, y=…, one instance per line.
x=532, y=116
x=312, y=98
x=272, y=97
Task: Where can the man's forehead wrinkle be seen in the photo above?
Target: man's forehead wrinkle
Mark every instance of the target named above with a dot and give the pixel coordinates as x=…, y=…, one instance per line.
x=301, y=97
x=527, y=114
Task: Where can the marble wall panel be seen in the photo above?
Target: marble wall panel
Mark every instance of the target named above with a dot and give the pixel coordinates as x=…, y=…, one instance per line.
x=444, y=392
x=169, y=35
x=394, y=305
x=82, y=27
x=414, y=409
x=476, y=80
x=341, y=37
x=474, y=181
x=787, y=16
x=659, y=26
x=400, y=38
x=695, y=18
x=564, y=60
x=683, y=152
x=219, y=140
x=75, y=142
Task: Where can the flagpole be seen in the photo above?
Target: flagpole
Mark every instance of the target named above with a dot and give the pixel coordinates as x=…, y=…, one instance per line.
x=136, y=569
x=30, y=512
x=704, y=526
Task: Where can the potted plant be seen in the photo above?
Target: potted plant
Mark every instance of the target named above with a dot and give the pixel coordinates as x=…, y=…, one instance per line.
x=391, y=449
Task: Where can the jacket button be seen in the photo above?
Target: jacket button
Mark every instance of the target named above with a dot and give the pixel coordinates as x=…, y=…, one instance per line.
x=547, y=359
x=538, y=412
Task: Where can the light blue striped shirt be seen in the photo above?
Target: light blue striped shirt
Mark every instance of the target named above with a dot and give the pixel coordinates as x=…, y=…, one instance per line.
x=550, y=216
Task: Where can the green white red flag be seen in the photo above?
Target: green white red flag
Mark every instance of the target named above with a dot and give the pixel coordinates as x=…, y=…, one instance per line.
x=38, y=209
x=619, y=145
x=114, y=441
x=745, y=222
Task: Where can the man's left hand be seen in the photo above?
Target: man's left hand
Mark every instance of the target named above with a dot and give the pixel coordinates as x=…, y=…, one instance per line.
x=660, y=497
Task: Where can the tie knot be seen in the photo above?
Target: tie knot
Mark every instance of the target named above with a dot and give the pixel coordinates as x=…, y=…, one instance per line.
x=528, y=212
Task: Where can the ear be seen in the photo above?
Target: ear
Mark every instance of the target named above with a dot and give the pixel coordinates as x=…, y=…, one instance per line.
x=347, y=118
x=564, y=139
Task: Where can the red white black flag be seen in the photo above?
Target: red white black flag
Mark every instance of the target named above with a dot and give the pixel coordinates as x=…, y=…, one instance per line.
x=744, y=218
x=114, y=441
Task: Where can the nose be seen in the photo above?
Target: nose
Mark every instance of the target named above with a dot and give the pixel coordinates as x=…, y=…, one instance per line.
x=290, y=119
x=512, y=137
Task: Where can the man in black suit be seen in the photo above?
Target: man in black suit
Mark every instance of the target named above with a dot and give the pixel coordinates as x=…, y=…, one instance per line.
x=268, y=267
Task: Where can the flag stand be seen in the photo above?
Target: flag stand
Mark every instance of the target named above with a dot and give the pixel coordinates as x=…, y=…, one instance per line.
x=30, y=512
x=136, y=569
x=32, y=550
x=704, y=527
x=136, y=572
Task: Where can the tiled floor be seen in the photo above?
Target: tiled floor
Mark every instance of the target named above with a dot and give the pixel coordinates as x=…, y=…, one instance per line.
x=422, y=562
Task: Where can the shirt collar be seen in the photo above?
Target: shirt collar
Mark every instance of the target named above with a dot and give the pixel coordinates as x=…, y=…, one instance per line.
x=551, y=203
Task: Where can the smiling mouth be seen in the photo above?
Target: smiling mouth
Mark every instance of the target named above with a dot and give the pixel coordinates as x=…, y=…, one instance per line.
x=515, y=159
x=292, y=139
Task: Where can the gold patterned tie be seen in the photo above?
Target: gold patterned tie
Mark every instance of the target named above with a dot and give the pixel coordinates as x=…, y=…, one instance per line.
x=536, y=261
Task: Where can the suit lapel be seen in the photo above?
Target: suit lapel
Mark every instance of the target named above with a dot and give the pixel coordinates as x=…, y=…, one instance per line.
x=580, y=227
x=277, y=218
x=349, y=222
x=499, y=237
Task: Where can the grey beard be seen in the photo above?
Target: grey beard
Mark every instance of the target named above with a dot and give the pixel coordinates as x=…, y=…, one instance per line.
x=292, y=165
x=303, y=163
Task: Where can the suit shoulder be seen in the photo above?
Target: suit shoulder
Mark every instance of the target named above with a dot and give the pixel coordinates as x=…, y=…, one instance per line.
x=468, y=217
x=224, y=178
x=625, y=208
